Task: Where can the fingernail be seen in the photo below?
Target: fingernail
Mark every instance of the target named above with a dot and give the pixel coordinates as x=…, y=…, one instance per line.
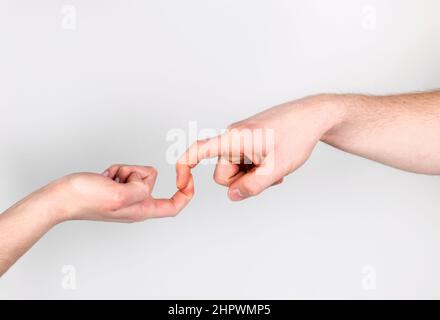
x=236, y=195
x=106, y=173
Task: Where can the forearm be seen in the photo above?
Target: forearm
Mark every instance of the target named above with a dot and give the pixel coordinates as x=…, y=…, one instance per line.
x=85, y=196
x=23, y=225
x=402, y=131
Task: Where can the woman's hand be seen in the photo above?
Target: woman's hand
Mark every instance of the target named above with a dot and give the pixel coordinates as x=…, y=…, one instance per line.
x=121, y=194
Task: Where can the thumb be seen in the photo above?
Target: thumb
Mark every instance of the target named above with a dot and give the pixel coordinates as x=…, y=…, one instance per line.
x=255, y=181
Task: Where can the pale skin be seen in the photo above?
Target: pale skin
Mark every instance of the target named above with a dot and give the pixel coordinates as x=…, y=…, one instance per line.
x=401, y=131
x=121, y=194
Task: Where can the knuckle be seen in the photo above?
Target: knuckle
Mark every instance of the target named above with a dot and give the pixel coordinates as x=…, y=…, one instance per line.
x=172, y=214
x=114, y=166
x=218, y=178
x=175, y=212
x=151, y=171
x=244, y=126
x=252, y=125
x=234, y=125
x=200, y=143
x=253, y=188
x=235, y=130
x=196, y=144
x=124, y=169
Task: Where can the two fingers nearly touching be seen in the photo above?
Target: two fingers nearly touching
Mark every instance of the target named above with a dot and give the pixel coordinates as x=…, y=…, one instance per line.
x=245, y=172
x=235, y=153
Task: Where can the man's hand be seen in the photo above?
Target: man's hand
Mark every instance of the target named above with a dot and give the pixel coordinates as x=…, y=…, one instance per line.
x=401, y=131
x=259, y=152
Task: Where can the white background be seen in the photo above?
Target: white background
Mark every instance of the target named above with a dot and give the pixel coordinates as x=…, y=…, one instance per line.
x=109, y=91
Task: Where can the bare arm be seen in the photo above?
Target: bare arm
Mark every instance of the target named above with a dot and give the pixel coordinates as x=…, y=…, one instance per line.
x=84, y=196
x=23, y=225
x=402, y=131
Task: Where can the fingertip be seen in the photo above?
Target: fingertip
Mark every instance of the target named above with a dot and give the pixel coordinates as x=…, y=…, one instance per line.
x=235, y=195
x=188, y=189
x=182, y=178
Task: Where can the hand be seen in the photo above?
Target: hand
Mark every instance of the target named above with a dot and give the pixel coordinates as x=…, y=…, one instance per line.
x=122, y=194
x=259, y=152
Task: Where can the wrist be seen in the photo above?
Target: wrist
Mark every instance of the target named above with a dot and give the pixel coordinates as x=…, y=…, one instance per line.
x=322, y=113
x=333, y=110
x=54, y=199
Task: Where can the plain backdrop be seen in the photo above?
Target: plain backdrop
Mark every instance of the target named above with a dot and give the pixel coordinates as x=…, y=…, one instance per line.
x=110, y=90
